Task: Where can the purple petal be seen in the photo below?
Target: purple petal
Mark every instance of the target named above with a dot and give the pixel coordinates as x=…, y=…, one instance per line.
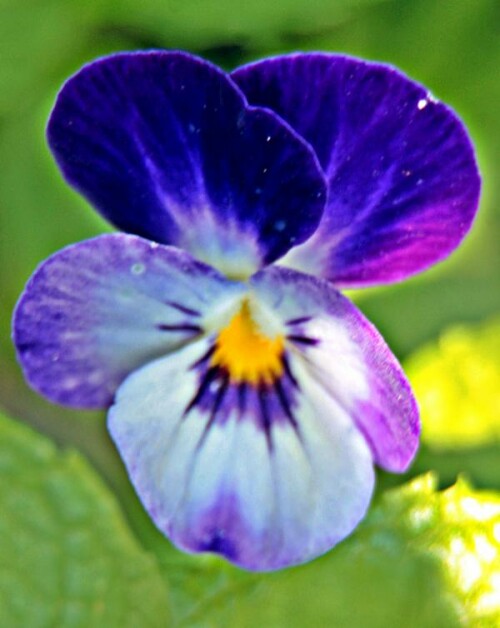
x=349, y=359
x=98, y=310
x=165, y=147
x=231, y=473
x=403, y=182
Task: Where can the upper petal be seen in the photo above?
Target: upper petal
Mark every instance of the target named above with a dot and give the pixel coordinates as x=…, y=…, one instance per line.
x=166, y=147
x=98, y=310
x=403, y=182
x=347, y=357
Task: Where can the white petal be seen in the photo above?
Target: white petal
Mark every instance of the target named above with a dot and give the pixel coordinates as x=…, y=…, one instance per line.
x=214, y=479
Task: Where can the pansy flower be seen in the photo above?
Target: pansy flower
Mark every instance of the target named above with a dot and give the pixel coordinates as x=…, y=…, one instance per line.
x=249, y=399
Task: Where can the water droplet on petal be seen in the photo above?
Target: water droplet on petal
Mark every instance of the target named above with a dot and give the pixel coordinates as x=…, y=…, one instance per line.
x=137, y=269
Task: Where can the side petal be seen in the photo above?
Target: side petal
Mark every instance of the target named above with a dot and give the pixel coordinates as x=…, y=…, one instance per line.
x=165, y=146
x=97, y=310
x=237, y=471
x=402, y=178
x=345, y=355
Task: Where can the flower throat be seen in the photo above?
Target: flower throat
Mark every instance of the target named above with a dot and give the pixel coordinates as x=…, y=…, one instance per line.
x=246, y=353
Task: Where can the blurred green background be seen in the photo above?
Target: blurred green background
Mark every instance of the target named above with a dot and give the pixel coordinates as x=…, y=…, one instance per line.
x=453, y=47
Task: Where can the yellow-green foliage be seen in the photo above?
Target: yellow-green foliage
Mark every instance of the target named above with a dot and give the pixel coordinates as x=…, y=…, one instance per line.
x=457, y=384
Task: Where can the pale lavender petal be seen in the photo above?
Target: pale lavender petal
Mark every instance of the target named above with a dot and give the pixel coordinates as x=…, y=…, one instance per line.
x=98, y=310
x=346, y=355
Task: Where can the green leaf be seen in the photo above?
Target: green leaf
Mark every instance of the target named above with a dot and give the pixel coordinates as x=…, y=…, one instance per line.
x=457, y=383
x=481, y=464
x=459, y=530
x=67, y=557
x=421, y=558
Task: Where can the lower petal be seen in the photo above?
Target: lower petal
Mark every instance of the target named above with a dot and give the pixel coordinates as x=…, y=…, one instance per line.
x=268, y=477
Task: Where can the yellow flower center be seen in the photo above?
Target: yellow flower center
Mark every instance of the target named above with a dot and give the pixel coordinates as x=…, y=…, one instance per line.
x=246, y=353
